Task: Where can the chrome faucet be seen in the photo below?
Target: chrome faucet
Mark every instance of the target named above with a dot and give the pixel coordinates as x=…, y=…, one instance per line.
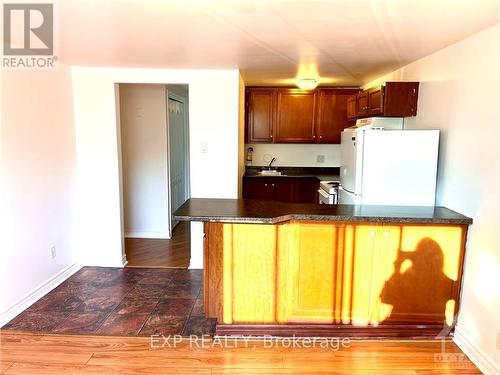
x=271, y=162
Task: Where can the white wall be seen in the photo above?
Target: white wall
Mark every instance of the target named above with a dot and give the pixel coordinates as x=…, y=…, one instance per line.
x=241, y=135
x=459, y=94
x=38, y=168
x=213, y=118
x=295, y=155
x=143, y=120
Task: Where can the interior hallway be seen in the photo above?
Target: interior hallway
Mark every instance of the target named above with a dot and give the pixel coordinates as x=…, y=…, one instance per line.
x=158, y=253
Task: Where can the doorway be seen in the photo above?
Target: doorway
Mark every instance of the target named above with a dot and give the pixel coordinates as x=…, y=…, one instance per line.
x=154, y=139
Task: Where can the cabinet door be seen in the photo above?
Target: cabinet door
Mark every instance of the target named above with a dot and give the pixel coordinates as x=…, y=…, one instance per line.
x=376, y=100
x=295, y=116
x=351, y=107
x=417, y=273
x=256, y=188
x=357, y=306
x=280, y=189
x=261, y=104
x=305, y=190
x=332, y=115
x=362, y=104
x=311, y=273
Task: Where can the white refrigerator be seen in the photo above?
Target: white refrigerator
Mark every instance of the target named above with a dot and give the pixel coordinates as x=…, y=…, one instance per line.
x=388, y=167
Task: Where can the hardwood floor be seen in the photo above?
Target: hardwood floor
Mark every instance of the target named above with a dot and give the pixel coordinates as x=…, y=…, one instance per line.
x=142, y=252
x=23, y=353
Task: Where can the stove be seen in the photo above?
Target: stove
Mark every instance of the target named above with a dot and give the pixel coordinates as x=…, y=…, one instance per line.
x=328, y=192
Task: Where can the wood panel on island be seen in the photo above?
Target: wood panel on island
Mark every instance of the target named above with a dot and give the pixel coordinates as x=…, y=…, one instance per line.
x=330, y=271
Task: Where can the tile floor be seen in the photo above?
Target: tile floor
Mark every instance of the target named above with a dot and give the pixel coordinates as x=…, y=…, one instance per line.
x=123, y=302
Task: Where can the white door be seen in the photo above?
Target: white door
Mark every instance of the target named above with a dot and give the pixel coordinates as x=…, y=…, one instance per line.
x=178, y=156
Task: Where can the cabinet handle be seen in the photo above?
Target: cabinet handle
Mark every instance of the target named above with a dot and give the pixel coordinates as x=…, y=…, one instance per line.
x=272, y=185
x=265, y=184
x=271, y=136
x=372, y=233
x=386, y=234
x=320, y=137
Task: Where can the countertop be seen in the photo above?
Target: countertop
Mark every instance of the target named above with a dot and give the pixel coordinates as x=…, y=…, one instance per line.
x=321, y=173
x=261, y=211
x=318, y=176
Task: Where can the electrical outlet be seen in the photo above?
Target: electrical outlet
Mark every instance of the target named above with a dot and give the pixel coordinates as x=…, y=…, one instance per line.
x=53, y=251
x=203, y=147
x=320, y=158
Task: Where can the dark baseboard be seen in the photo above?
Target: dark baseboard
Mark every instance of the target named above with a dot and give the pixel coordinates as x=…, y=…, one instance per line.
x=329, y=330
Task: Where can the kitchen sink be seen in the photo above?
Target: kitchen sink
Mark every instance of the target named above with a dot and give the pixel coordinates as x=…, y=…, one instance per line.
x=270, y=172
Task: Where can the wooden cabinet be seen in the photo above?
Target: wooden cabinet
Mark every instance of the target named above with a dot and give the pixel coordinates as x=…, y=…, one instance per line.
x=376, y=101
x=282, y=189
x=295, y=116
x=260, y=105
x=373, y=274
x=393, y=99
x=354, y=279
x=351, y=107
x=362, y=106
x=310, y=275
x=332, y=114
x=305, y=190
x=256, y=188
x=286, y=115
x=417, y=273
x=278, y=189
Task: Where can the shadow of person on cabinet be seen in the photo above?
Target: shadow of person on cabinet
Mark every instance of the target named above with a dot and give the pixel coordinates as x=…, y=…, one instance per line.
x=418, y=289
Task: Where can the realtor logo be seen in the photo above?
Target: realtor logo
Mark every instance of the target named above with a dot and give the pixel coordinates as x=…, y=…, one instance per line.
x=28, y=30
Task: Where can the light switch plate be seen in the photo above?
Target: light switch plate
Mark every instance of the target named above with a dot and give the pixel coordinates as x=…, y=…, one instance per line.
x=320, y=158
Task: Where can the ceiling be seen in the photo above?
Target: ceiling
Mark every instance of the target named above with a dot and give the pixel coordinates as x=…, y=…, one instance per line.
x=271, y=42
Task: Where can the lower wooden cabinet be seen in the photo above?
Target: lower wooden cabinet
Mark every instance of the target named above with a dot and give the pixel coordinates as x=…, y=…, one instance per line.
x=373, y=274
x=344, y=274
x=282, y=189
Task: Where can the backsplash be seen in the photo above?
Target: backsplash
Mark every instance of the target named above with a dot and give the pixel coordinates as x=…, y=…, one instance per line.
x=295, y=155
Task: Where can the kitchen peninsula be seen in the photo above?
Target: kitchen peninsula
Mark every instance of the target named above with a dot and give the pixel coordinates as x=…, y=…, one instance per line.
x=288, y=269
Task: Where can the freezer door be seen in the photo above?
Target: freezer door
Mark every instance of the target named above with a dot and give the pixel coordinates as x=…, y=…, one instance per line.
x=349, y=143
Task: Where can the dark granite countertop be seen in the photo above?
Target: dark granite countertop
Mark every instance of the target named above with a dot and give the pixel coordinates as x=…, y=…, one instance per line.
x=300, y=175
x=260, y=211
x=322, y=174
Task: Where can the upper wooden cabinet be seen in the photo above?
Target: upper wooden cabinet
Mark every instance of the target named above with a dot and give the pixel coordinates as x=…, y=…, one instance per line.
x=333, y=105
x=260, y=105
x=295, y=116
x=393, y=99
x=362, y=104
x=286, y=115
x=351, y=107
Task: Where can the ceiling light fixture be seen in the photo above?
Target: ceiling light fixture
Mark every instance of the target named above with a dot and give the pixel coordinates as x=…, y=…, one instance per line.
x=307, y=83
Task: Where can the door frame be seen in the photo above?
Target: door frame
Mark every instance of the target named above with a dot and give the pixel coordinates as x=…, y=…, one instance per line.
x=185, y=101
